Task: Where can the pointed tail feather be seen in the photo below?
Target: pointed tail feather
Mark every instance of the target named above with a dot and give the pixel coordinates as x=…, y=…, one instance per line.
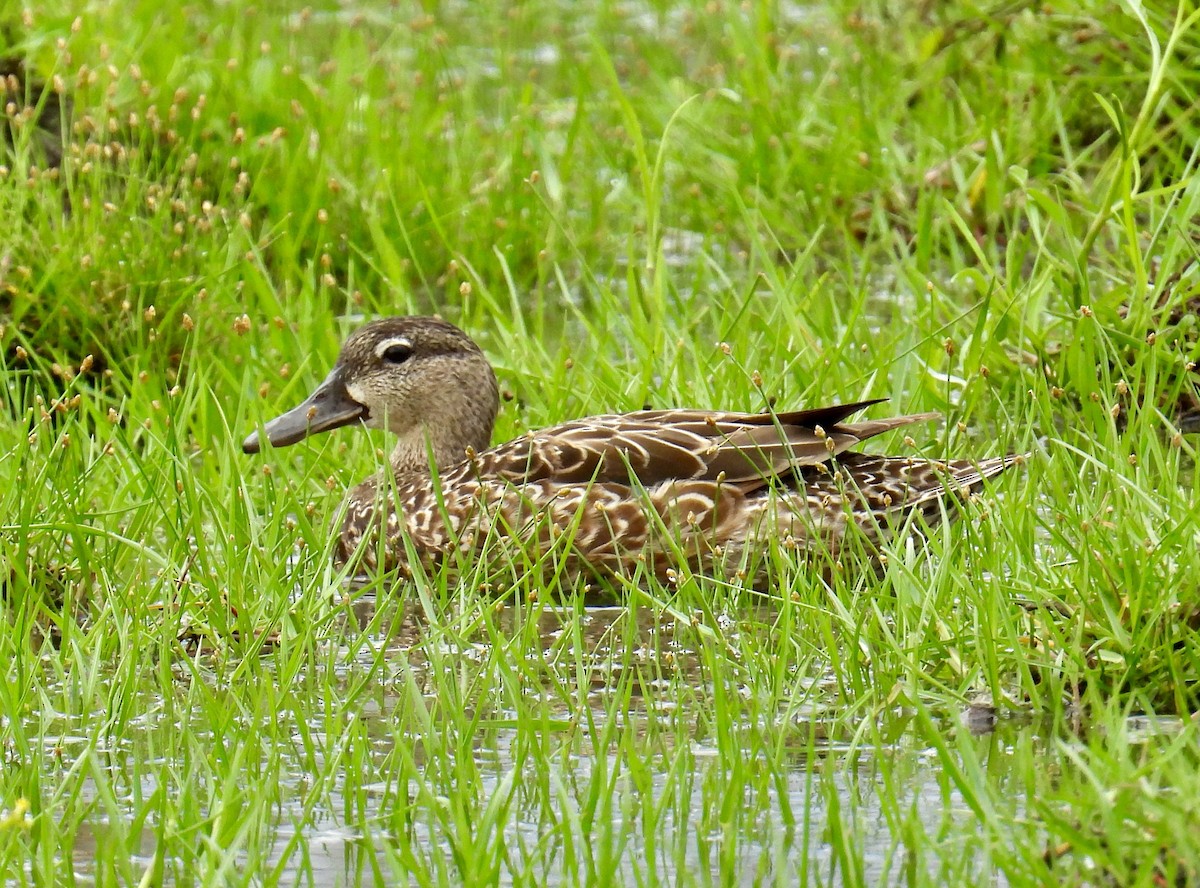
x=872, y=427
x=891, y=484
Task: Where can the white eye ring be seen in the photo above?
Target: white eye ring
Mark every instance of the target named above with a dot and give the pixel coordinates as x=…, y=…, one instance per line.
x=396, y=342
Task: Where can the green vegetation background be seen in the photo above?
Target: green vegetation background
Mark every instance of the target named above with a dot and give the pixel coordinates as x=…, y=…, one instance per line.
x=987, y=210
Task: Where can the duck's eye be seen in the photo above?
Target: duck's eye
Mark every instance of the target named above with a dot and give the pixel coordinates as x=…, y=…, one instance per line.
x=396, y=354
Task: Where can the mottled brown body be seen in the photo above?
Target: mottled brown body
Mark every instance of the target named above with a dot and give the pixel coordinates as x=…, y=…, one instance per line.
x=610, y=526
x=608, y=494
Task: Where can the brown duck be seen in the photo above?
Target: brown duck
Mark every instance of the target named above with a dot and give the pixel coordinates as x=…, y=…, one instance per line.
x=649, y=489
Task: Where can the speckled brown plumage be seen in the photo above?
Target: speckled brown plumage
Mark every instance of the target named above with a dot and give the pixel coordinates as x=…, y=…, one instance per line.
x=608, y=493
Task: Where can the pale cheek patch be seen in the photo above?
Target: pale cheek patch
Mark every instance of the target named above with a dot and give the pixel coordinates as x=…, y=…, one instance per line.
x=359, y=394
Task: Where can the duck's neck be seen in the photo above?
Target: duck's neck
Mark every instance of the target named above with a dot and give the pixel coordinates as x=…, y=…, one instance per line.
x=418, y=452
x=441, y=444
x=446, y=428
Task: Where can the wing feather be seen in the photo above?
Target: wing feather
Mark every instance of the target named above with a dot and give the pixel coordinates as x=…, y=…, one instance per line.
x=747, y=450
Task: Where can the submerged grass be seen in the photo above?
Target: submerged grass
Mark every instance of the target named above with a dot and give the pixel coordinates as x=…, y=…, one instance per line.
x=984, y=211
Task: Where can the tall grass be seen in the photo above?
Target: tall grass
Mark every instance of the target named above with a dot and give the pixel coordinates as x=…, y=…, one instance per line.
x=983, y=211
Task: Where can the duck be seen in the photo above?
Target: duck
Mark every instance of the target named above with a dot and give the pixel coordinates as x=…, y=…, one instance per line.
x=607, y=495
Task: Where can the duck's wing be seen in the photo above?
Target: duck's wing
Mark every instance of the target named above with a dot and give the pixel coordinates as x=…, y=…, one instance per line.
x=744, y=449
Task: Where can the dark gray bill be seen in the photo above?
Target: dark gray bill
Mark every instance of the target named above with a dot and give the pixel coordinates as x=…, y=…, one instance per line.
x=329, y=407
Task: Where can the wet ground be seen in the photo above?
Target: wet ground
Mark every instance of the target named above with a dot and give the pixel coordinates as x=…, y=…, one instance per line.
x=813, y=779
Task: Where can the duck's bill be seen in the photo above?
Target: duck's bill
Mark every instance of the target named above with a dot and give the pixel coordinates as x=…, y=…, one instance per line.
x=329, y=407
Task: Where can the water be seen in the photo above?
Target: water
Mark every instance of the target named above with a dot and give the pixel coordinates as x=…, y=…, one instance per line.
x=802, y=788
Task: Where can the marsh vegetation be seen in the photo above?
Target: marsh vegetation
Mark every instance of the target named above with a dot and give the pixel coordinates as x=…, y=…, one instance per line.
x=984, y=210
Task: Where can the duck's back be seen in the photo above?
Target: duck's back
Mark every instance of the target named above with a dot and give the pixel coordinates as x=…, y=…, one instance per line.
x=653, y=489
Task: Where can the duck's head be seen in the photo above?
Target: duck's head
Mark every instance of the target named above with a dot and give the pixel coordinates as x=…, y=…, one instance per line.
x=421, y=378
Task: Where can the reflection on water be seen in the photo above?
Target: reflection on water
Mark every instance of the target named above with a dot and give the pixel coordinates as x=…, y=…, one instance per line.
x=784, y=810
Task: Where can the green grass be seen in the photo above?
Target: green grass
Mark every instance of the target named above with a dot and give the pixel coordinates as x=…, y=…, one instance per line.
x=980, y=210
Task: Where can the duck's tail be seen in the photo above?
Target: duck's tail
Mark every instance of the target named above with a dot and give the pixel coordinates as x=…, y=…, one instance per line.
x=889, y=487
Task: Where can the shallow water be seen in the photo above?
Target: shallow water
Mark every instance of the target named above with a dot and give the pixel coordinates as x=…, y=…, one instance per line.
x=783, y=811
